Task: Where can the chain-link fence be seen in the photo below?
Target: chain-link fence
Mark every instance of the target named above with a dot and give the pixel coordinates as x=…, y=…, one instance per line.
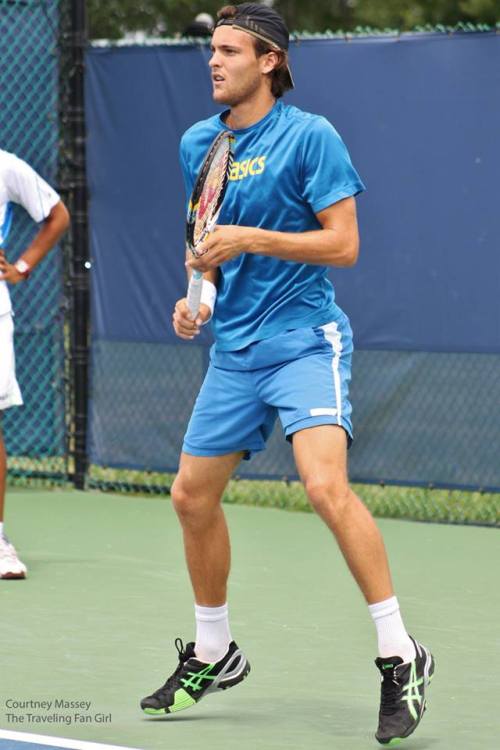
x=31, y=74
x=142, y=396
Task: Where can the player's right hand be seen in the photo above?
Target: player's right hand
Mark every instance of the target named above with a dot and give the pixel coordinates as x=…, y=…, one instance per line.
x=8, y=271
x=184, y=326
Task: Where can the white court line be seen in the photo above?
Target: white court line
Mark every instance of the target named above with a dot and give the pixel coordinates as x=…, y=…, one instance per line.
x=43, y=739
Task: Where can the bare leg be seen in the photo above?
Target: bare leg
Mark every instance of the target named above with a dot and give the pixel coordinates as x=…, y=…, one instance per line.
x=196, y=495
x=321, y=458
x=10, y=565
x=3, y=474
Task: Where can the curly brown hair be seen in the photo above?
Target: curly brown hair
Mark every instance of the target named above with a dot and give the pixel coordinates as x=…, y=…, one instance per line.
x=280, y=77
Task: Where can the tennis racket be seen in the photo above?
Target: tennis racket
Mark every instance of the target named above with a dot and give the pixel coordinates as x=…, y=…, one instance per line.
x=205, y=205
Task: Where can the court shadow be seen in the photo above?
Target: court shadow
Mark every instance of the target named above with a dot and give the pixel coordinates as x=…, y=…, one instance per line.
x=191, y=717
x=320, y=723
x=422, y=743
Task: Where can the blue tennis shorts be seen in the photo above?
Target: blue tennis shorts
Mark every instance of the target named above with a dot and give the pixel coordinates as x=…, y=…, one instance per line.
x=301, y=375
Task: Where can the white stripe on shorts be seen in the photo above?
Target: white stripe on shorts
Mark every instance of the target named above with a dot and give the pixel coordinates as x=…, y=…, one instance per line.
x=10, y=394
x=322, y=411
x=334, y=337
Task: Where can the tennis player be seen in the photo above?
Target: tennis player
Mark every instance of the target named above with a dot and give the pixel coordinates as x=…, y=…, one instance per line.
x=282, y=347
x=19, y=183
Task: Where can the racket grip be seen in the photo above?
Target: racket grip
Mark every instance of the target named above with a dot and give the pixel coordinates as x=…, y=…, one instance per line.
x=194, y=292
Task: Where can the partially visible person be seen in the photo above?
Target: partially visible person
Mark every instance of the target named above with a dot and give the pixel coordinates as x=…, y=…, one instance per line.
x=202, y=26
x=19, y=183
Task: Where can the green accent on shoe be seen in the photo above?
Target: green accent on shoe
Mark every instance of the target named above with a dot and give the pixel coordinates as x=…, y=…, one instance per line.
x=387, y=666
x=395, y=741
x=411, y=691
x=154, y=711
x=182, y=700
x=196, y=678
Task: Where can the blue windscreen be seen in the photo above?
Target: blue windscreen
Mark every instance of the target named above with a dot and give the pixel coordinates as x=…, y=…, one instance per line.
x=421, y=122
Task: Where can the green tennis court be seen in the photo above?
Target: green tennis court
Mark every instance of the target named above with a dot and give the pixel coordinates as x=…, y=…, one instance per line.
x=107, y=594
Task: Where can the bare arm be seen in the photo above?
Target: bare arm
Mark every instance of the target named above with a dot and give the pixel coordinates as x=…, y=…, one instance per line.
x=335, y=244
x=50, y=232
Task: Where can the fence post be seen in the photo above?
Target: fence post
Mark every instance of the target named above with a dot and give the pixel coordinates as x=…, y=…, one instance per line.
x=80, y=265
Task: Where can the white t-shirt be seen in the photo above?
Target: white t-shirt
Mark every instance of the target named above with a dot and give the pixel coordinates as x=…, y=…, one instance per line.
x=19, y=183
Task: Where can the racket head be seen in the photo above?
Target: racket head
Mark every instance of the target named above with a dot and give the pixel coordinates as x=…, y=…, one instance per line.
x=209, y=189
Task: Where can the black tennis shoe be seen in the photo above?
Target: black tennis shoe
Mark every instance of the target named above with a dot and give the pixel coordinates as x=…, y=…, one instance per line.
x=194, y=679
x=402, y=702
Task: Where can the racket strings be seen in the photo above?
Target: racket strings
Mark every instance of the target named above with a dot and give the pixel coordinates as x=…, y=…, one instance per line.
x=212, y=191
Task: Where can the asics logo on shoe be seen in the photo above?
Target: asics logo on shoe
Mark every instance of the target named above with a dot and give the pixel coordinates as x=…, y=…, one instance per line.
x=411, y=692
x=195, y=680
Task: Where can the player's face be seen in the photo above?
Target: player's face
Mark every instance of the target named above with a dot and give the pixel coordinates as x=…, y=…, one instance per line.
x=237, y=73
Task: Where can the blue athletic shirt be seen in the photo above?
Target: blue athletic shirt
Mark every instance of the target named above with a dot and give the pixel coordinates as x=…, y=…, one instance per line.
x=287, y=167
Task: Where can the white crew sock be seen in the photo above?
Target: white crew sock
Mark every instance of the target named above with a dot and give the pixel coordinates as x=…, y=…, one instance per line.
x=1, y=528
x=212, y=633
x=393, y=640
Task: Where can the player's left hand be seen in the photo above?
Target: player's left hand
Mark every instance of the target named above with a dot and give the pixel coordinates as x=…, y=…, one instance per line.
x=223, y=243
x=8, y=272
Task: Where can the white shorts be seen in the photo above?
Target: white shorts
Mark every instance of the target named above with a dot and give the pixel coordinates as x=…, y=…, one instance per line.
x=10, y=394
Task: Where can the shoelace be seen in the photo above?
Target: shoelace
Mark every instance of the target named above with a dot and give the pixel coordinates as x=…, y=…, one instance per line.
x=183, y=657
x=390, y=693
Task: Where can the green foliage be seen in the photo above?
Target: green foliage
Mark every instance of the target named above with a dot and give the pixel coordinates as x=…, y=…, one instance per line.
x=487, y=10
x=114, y=18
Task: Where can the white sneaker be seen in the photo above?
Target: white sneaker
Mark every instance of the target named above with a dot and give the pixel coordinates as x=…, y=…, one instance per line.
x=10, y=565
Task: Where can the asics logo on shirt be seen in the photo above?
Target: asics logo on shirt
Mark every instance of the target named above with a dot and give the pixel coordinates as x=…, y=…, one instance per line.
x=248, y=168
